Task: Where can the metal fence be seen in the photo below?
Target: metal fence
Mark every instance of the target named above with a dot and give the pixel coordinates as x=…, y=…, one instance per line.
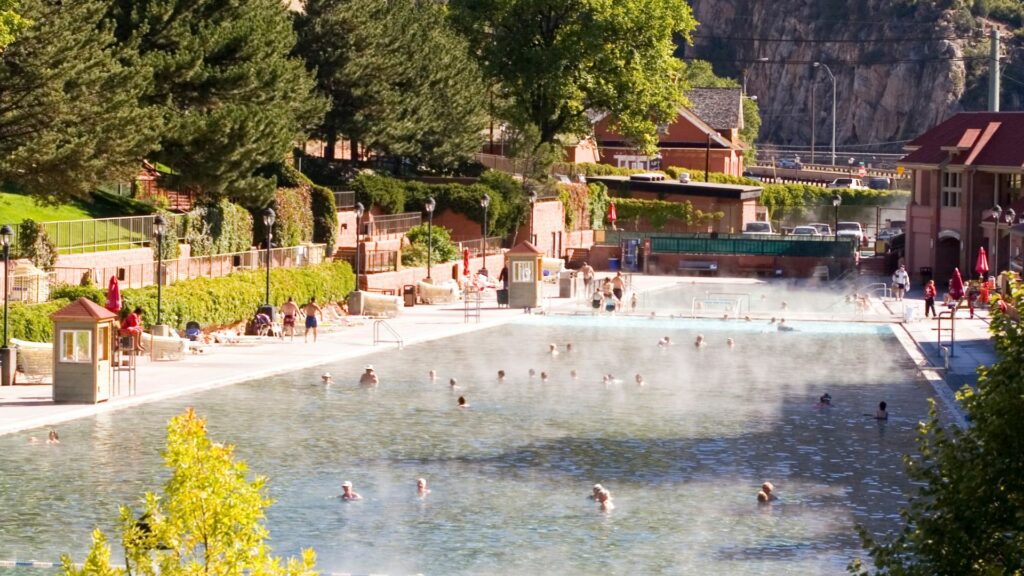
x=475, y=246
x=703, y=244
x=343, y=198
x=145, y=274
x=393, y=223
x=101, y=234
x=372, y=262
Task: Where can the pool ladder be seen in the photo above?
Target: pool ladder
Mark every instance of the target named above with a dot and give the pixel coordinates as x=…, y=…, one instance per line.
x=384, y=332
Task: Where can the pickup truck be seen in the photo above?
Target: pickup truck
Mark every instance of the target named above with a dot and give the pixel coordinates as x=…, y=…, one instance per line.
x=758, y=228
x=850, y=229
x=851, y=183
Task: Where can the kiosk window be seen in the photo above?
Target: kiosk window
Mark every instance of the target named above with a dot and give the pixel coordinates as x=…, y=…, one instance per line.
x=76, y=346
x=522, y=271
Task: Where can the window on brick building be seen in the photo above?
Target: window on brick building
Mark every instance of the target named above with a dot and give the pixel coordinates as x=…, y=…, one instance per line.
x=952, y=187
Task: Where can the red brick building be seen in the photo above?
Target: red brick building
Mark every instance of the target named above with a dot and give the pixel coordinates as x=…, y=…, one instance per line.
x=961, y=169
x=703, y=134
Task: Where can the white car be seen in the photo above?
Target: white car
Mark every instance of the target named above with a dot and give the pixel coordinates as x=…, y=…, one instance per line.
x=823, y=229
x=851, y=183
x=850, y=229
x=805, y=231
x=758, y=228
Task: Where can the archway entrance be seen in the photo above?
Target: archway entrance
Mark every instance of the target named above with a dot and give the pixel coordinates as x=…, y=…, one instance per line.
x=947, y=257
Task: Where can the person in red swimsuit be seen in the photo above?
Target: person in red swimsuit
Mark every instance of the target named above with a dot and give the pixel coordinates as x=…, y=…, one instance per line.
x=132, y=326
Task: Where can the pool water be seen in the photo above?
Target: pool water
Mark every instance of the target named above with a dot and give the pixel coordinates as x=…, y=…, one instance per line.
x=683, y=456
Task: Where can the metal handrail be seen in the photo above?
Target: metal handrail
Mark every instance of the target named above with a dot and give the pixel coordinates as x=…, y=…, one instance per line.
x=378, y=326
x=872, y=288
x=394, y=223
x=343, y=198
x=951, y=316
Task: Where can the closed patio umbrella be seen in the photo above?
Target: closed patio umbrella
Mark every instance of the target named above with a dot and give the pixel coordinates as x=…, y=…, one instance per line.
x=981, y=267
x=113, y=296
x=956, y=285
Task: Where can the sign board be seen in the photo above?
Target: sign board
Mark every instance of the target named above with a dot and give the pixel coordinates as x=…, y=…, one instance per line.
x=862, y=172
x=899, y=170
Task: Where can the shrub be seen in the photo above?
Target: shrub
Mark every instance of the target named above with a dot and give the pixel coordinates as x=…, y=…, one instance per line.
x=382, y=191
x=35, y=244
x=442, y=249
x=220, y=228
x=32, y=321
x=657, y=213
x=293, y=224
x=230, y=299
x=71, y=293
x=325, y=217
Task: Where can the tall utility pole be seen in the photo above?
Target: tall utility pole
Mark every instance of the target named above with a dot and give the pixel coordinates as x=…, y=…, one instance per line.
x=993, y=72
x=832, y=76
x=814, y=119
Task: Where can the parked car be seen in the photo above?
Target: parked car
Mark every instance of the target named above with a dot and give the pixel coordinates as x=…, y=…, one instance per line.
x=751, y=175
x=887, y=234
x=805, y=231
x=791, y=163
x=823, y=229
x=851, y=183
x=850, y=229
x=879, y=183
x=758, y=228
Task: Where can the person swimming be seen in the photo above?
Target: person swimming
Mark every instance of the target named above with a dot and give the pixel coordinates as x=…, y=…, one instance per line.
x=54, y=438
x=348, y=494
x=573, y=374
x=568, y=347
x=432, y=374
x=665, y=341
x=639, y=380
x=767, y=493
x=453, y=383
x=730, y=343
x=462, y=402
x=595, y=491
x=825, y=400
x=553, y=349
x=543, y=376
x=882, y=413
x=604, y=500
x=421, y=488
x=699, y=341
x=501, y=375
x=327, y=378
x=783, y=327
x=533, y=373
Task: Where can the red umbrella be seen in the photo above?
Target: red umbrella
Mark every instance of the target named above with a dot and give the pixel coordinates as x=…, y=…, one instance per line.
x=612, y=216
x=956, y=285
x=465, y=262
x=982, y=265
x=113, y=296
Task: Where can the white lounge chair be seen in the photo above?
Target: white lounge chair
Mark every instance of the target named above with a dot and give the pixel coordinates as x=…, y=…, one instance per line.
x=34, y=360
x=166, y=347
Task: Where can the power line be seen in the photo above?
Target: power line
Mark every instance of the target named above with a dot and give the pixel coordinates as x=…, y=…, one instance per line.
x=832, y=40
x=838, y=61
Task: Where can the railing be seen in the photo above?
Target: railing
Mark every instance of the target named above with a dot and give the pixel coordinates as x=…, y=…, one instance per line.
x=379, y=327
x=101, y=234
x=144, y=274
x=343, y=198
x=878, y=289
x=393, y=223
x=31, y=288
x=377, y=261
x=475, y=246
x=751, y=246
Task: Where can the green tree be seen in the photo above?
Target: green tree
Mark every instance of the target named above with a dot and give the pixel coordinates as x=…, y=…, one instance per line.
x=968, y=516
x=438, y=242
x=10, y=22
x=69, y=113
x=227, y=95
x=209, y=519
x=402, y=81
x=554, y=60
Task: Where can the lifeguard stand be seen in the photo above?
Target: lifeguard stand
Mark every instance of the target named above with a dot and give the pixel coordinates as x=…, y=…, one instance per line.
x=524, y=276
x=83, y=336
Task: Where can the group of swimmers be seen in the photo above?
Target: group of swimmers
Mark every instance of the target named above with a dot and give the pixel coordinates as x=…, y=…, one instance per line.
x=825, y=401
x=51, y=438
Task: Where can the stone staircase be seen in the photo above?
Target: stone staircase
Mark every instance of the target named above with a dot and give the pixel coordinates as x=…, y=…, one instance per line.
x=577, y=258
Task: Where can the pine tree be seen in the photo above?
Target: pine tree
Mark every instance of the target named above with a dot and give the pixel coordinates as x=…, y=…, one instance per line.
x=402, y=81
x=10, y=22
x=69, y=112
x=228, y=96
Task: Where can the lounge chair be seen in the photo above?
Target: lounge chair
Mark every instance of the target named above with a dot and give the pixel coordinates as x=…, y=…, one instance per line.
x=34, y=360
x=166, y=347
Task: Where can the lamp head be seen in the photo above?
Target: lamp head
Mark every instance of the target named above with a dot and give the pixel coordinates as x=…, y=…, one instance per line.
x=359, y=209
x=837, y=200
x=431, y=204
x=817, y=64
x=5, y=234
x=485, y=201
x=159, y=226
x=1010, y=214
x=268, y=217
x=997, y=212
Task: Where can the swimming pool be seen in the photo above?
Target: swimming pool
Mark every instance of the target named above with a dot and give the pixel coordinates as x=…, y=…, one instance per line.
x=683, y=455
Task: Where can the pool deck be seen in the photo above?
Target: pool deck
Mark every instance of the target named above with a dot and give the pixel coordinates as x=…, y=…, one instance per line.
x=28, y=407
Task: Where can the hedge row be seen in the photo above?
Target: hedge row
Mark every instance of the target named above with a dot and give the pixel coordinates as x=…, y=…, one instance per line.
x=657, y=213
x=211, y=302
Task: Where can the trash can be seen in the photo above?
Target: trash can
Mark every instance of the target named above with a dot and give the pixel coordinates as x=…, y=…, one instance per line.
x=502, y=297
x=270, y=311
x=614, y=264
x=409, y=294
x=567, y=284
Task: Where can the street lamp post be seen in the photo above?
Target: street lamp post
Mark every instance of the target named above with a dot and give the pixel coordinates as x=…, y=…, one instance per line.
x=359, y=214
x=6, y=354
x=485, y=201
x=836, y=201
x=832, y=76
x=998, y=214
x=431, y=204
x=159, y=229
x=533, y=204
x=268, y=222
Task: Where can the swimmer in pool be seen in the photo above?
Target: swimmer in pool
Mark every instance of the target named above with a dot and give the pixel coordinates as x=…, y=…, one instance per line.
x=772, y=321
x=639, y=380
x=369, y=377
x=568, y=348
x=767, y=493
x=595, y=491
x=453, y=383
x=327, y=378
x=665, y=341
x=532, y=372
x=783, y=327
x=462, y=402
x=54, y=438
x=501, y=375
x=882, y=413
x=573, y=374
x=432, y=375
x=553, y=349
x=699, y=342
x=604, y=500
x=730, y=343
x=825, y=401
x=421, y=488
x=543, y=376
x=348, y=494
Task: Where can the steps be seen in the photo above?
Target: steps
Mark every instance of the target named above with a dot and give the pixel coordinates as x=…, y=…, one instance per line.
x=577, y=258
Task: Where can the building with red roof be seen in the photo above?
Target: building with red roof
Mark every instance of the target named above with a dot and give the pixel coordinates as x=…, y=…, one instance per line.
x=961, y=170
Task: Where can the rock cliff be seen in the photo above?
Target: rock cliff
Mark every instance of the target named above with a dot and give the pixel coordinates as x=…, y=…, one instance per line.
x=898, y=65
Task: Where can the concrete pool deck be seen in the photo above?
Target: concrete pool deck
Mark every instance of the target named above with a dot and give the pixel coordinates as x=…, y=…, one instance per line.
x=25, y=407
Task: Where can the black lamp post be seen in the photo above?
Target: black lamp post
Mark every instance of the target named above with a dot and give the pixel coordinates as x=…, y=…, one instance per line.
x=159, y=229
x=431, y=204
x=998, y=214
x=359, y=214
x=533, y=204
x=268, y=222
x=485, y=201
x=6, y=354
x=836, y=201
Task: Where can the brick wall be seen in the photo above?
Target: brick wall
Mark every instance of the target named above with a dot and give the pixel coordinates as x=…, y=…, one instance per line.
x=438, y=272
x=549, y=234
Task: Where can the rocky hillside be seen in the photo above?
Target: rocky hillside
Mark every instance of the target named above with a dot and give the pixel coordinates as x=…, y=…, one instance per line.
x=899, y=65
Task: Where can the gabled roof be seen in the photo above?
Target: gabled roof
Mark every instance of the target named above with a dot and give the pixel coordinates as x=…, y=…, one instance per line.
x=989, y=139
x=720, y=108
x=83, y=309
x=524, y=248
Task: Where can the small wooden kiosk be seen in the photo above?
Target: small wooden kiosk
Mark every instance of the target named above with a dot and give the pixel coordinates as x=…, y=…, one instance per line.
x=83, y=337
x=524, y=276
